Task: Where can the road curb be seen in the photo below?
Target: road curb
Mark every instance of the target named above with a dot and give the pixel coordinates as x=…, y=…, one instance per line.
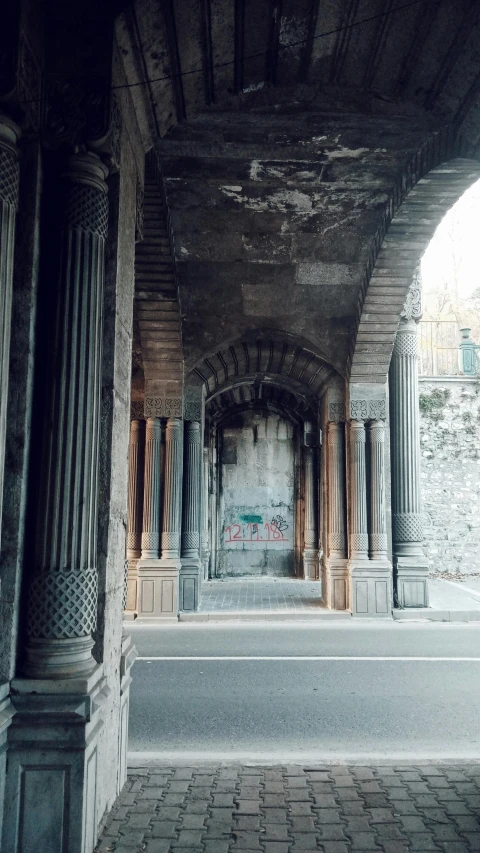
x=427, y=614
x=264, y=616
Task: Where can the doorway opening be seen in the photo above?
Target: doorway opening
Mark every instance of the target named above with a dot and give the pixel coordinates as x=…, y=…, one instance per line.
x=257, y=491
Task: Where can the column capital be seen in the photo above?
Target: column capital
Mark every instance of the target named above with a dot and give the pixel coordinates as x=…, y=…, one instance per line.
x=413, y=307
x=357, y=430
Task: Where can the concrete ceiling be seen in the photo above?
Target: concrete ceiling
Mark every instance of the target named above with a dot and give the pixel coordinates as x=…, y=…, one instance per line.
x=220, y=53
x=285, y=131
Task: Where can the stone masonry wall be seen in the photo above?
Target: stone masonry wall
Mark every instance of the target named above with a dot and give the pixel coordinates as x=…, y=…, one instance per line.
x=450, y=472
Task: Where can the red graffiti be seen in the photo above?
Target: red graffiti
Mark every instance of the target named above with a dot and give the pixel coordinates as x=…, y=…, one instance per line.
x=252, y=532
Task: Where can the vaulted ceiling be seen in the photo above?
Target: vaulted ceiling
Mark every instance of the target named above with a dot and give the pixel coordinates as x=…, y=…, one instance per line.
x=220, y=53
x=288, y=131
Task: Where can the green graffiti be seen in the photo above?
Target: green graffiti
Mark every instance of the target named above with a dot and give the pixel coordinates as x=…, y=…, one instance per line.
x=251, y=519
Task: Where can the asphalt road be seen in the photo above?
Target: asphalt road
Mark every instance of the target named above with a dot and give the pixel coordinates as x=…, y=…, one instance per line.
x=299, y=692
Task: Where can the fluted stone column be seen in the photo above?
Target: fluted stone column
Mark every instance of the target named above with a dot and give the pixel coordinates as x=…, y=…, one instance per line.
x=190, y=574
x=310, y=553
x=358, y=539
x=62, y=608
x=135, y=508
x=151, y=491
x=378, y=532
x=172, y=501
x=336, y=590
x=410, y=565
x=336, y=491
x=205, y=543
x=9, y=185
x=191, y=494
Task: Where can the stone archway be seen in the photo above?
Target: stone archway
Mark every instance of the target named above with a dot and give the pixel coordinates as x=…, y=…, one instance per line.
x=259, y=388
x=407, y=238
x=386, y=351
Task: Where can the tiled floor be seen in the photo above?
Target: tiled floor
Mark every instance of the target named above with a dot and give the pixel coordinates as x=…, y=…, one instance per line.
x=331, y=809
x=261, y=594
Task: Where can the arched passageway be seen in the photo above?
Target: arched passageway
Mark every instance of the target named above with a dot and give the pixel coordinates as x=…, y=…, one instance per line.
x=273, y=177
x=386, y=355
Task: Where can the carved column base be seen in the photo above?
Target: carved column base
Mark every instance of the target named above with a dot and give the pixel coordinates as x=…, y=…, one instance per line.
x=371, y=587
x=130, y=611
x=51, y=779
x=59, y=658
x=158, y=590
x=190, y=584
x=411, y=581
x=310, y=564
x=128, y=657
x=335, y=585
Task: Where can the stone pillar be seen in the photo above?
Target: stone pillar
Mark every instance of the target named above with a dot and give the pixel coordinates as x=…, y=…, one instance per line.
x=62, y=609
x=190, y=571
x=370, y=576
x=51, y=786
x=358, y=539
x=335, y=593
x=205, y=542
x=310, y=552
x=158, y=578
x=336, y=491
x=9, y=185
x=135, y=510
x=191, y=495
x=172, y=502
x=151, y=491
x=409, y=563
x=378, y=532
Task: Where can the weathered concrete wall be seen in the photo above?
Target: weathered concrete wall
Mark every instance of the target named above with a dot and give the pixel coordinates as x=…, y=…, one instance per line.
x=450, y=473
x=257, y=496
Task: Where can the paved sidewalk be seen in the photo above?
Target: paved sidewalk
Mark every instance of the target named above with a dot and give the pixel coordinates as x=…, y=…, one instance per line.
x=261, y=594
x=450, y=601
x=333, y=809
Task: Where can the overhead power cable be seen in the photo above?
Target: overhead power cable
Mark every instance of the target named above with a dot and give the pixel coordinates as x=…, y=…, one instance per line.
x=281, y=47
x=260, y=54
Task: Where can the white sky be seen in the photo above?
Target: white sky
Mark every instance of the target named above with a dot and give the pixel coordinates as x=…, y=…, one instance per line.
x=454, y=252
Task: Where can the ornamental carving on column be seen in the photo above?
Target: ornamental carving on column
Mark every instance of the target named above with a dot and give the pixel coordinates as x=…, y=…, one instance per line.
x=413, y=309
x=154, y=407
x=137, y=410
x=192, y=410
x=76, y=110
x=87, y=210
x=358, y=410
x=377, y=410
x=173, y=407
x=62, y=605
x=336, y=412
x=9, y=174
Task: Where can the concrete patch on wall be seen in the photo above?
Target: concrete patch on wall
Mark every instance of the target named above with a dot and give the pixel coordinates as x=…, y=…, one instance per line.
x=450, y=473
x=256, y=529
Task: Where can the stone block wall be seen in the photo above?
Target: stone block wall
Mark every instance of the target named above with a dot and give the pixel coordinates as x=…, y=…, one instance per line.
x=450, y=472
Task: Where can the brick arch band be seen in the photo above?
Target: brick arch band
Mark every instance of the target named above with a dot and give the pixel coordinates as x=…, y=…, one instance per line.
x=264, y=361
x=408, y=235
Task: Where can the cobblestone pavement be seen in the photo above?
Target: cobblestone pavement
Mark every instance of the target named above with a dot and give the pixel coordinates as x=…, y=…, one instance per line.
x=261, y=594
x=336, y=809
